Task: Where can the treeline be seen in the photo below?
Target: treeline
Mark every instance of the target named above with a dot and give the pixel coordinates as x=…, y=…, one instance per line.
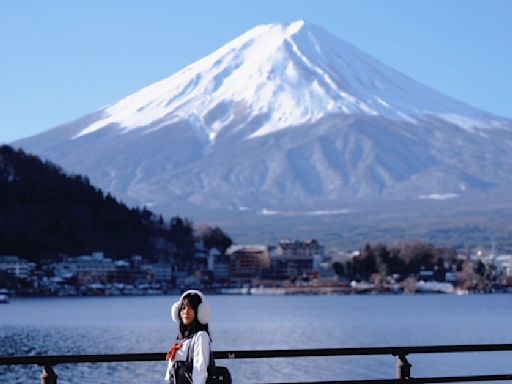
x=399, y=261
x=44, y=212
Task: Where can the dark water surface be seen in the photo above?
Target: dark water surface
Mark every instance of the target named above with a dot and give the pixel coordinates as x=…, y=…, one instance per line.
x=142, y=324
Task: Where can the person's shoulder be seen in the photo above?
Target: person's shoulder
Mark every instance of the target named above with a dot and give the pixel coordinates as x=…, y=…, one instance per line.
x=202, y=335
x=202, y=339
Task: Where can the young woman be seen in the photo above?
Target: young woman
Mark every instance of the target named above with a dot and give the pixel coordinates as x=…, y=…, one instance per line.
x=189, y=357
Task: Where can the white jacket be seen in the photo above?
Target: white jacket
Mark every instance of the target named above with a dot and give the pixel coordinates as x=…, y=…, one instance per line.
x=201, y=357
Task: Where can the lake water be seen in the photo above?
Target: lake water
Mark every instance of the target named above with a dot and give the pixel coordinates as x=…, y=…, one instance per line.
x=142, y=324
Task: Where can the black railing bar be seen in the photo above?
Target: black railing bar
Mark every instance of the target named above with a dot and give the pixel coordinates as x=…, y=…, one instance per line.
x=132, y=357
x=376, y=381
x=458, y=379
x=395, y=351
x=413, y=380
x=71, y=359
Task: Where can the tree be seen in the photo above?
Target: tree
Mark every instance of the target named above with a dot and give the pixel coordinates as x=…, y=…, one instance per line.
x=181, y=234
x=479, y=268
x=339, y=269
x=216, y=238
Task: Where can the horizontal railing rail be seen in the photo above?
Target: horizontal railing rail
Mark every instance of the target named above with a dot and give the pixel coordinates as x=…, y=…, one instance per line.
x=403, y=366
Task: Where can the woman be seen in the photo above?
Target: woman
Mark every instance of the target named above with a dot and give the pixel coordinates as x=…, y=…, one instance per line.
x=189, y=357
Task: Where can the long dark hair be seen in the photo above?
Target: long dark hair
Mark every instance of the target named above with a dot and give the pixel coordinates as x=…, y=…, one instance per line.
x=192, y=299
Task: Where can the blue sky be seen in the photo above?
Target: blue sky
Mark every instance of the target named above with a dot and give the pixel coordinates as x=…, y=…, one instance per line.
x=62, y=59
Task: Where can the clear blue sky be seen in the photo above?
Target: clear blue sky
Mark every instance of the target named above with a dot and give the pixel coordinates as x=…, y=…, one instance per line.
x=62, y=59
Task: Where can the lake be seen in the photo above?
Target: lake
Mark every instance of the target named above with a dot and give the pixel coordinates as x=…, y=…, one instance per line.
x=102, y=325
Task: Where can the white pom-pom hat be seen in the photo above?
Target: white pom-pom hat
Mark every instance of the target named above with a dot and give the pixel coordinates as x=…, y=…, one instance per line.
x=204, y=311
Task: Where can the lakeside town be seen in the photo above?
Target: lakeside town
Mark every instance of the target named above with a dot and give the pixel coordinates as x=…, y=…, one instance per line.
x=289, y=267
x=69, y=238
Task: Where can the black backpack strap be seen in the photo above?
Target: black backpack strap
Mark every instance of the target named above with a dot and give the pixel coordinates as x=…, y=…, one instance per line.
x=211, y=363
x=190, y=355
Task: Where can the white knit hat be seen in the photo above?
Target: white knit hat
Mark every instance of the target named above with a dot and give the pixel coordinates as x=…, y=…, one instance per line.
x=204, y=310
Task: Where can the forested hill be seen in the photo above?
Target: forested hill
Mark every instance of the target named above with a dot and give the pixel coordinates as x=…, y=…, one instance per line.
x=45, y=212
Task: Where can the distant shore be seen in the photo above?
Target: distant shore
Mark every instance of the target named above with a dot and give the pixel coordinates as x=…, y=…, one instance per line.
x=278, y=291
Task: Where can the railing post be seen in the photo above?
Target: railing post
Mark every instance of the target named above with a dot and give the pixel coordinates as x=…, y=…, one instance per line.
x=403, y=368
x=48, y=376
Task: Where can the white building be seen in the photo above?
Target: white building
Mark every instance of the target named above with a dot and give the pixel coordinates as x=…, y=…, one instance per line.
x=298, y=257
x=16, y=266
x=503, y=264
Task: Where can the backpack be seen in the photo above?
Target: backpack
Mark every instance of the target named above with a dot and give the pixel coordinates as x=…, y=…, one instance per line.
x=217, y=374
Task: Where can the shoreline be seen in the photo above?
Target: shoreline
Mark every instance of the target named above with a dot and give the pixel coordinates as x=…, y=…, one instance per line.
x=289, y=291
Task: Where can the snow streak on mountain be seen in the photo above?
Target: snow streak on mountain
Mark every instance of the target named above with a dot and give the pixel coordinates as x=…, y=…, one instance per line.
x=285, y=115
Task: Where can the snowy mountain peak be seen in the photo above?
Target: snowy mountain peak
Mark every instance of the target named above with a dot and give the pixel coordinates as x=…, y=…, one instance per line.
x=284, y=75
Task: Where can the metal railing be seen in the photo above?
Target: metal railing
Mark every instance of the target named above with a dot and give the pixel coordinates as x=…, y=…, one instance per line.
x=403, y=366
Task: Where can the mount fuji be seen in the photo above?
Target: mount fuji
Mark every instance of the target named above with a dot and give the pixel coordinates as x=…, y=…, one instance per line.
x=285, y=119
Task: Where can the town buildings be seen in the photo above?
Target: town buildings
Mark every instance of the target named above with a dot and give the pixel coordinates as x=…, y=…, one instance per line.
x=290, y=263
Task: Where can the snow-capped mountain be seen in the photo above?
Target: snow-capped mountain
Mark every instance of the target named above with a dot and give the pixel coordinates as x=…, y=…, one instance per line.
x=285, y=115
x=291, y=74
